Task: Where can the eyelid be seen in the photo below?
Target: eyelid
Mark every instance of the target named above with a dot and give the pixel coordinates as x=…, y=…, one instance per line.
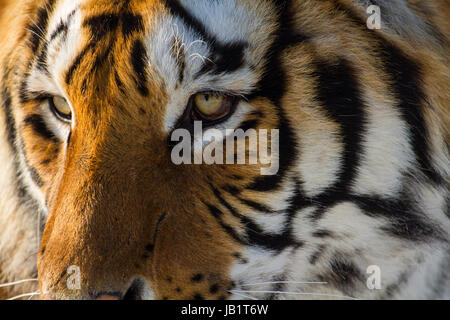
x=226, y=107
x=62, y=117
x=186, y=121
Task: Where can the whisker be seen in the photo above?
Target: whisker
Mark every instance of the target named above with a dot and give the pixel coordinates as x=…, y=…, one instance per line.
x=298, y=293
x=194, y=42
x=198, y=55
x=243, y=295
x=38, y=35
x=283, y=282
x=24, y=295
x=9, y=284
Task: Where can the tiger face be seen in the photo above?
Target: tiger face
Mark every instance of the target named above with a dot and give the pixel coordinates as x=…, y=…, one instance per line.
x=92, y=92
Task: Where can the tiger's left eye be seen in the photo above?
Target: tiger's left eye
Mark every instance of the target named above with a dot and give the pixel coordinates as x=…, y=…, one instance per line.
x=61, y=108
x=213, y=106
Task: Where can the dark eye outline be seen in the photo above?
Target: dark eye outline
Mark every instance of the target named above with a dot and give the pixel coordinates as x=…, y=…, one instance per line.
x=230, y=102
x=59, y=115
x=190, y=115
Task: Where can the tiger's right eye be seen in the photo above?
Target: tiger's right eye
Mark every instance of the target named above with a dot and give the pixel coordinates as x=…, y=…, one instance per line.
x=61, y=108
x=213, y=106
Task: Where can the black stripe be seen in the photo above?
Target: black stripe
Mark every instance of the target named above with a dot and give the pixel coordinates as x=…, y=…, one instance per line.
x=179, y=54
x=287, y=156
x=321, y=233
x=139, y=62
x=273, y=83
x=234, y=191
x=61, y=28
x=38, y=28
x=338, y=88
x=225, y=57
x=447, y=205
x=404, y=216
x=408, y=88
x=103, y=57
x=77, y=62
x=407, y=79
x=339, y=92
x=12, y=135
x=256, y=206
x=37, y=123
x=84, y=86
x=101, y=25
x=272, y=86
x=69, y=137
x=298, y=200
x=248, y=124
x=38, y=31
x=131, y=23
x=181, y=62
x=344, y=273
x=255, y=235
x=278, y=286
x=10, y=124
x=119, y=82
x=12, y=140
x=32, y=170
x=42, y=59
x=177, y=9
x=317, y=254
x=405, y=219
x=224, y=203
x=161, y=218
x=23, y=88
x=217, y=214
x=23, y=91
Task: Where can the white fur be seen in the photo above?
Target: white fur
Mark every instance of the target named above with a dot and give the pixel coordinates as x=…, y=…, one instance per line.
x=387, y=153
x=19, y=234
x=397, y=17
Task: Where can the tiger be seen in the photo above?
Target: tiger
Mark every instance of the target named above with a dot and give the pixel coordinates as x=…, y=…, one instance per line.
x=93, y=207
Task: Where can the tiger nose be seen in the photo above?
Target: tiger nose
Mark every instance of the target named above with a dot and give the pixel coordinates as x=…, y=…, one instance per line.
x=107, y=297
x=137, y=290
x=102, y=297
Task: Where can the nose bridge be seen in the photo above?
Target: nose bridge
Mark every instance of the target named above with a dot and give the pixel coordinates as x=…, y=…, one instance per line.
x=99, y=223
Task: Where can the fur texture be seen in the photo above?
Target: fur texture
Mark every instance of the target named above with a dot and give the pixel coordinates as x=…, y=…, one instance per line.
x=364, y=126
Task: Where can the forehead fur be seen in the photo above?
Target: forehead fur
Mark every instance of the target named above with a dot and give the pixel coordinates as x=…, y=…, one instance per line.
x=185, y=46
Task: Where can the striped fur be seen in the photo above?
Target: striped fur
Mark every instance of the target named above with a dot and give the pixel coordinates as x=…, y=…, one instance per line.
x=364, y=120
